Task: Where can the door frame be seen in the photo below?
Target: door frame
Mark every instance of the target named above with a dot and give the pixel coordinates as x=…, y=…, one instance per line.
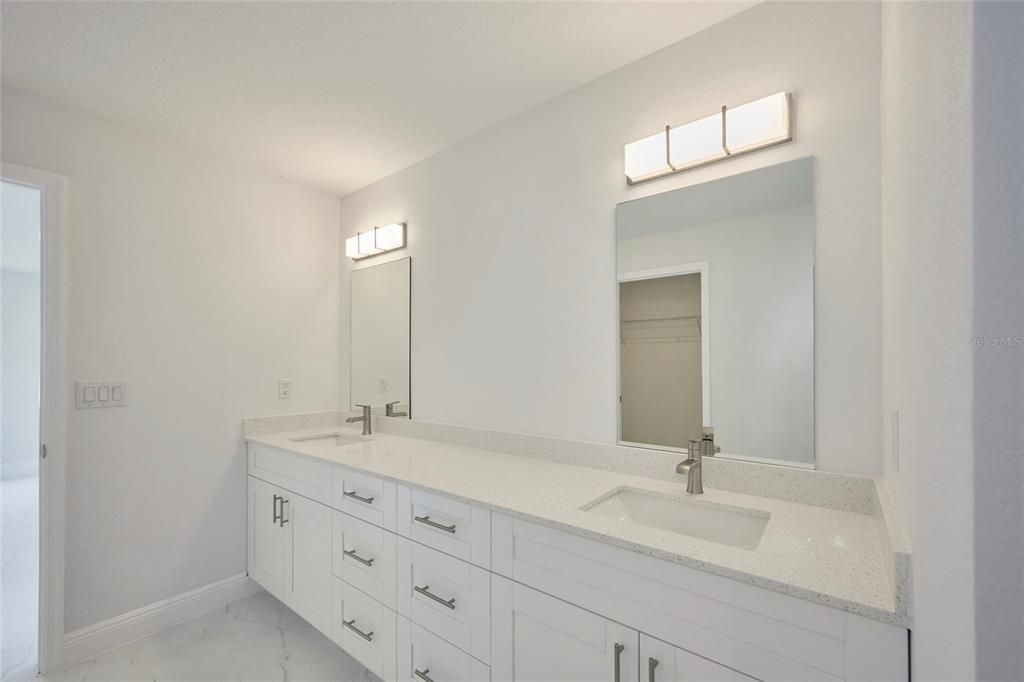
x=703, y=268
x=52, y=409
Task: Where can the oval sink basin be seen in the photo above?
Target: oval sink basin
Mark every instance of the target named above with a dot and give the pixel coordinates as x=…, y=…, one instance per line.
x=330, y=439
x=725, y=525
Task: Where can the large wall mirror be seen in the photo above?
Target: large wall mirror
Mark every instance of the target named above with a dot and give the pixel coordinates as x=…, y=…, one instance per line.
x=716, y=315
x=380, y=338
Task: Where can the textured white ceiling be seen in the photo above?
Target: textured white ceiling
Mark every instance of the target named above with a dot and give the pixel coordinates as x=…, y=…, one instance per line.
x=332, y=94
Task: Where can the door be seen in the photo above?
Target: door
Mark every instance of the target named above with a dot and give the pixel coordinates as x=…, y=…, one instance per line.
x=307, y=566
x=662, y=662
x=266, y=537
x=540, y=638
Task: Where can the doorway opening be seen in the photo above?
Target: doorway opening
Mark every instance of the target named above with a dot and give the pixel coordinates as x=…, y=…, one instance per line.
x=20, y=376
x=33, y=393
x=664, y=362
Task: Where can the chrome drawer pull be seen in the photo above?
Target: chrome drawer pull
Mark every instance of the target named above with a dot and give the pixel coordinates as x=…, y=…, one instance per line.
x=422, y=674
x=277, y=517
x=434, y=524
x=352, y=553
x=619, y=648
x=356, y=496
x=652, y=663
x=283, y=519
x=350, y=624
x=425, y=591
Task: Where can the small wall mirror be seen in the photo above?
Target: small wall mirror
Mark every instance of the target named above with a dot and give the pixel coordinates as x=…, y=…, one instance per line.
x=380, y=311
x=716, y=315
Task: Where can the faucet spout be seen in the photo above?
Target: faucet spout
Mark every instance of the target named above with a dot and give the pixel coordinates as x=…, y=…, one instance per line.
x=692, y=469
x=365, y=419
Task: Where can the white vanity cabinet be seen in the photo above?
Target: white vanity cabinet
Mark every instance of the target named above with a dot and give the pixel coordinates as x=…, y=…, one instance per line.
x=290, y=550
x=662, y=662
x=425, y=588
x=538, y=637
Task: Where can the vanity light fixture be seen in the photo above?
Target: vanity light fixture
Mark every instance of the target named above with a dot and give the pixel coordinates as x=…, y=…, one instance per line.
x=377, y=240
x=731, y=132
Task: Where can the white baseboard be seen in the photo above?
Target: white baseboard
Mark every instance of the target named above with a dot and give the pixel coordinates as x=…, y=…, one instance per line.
x=120, y=630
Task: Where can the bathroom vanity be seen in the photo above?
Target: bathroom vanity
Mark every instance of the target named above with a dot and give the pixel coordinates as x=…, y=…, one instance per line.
x=432, y=561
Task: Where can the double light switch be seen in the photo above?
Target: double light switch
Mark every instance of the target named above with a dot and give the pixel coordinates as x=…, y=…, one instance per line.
x=100, y=394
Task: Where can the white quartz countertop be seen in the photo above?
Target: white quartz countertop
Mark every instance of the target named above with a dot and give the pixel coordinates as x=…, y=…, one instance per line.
x=823, y=555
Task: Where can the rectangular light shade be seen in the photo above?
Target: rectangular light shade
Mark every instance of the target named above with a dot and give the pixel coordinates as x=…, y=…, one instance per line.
x=352, y=248
x=390, y=236
x=647, y=158
x=696, y=143
x=758, y=124
x=368, y=243
x=376, y=240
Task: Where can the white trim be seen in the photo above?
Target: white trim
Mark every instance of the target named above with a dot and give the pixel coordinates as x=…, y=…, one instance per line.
x=703, y=268
x=128, y=627
x=53, y=409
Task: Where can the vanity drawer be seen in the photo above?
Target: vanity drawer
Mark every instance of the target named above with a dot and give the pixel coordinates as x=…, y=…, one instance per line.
x=303, y=475
x=445, y=595
x=363, y=496
x=364, y=628
x=423, y=656
x=364, y=556
x=456, y=528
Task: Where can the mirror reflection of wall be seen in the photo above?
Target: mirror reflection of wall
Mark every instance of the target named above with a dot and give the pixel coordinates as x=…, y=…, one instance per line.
x=380, y=309
x=716, y=296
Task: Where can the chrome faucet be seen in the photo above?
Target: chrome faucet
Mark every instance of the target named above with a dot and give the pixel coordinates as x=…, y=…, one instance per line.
x=692, y=466
x=365, y=419
x=389, y=410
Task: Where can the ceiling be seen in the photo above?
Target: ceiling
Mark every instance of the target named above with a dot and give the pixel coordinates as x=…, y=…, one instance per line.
x=332, y=94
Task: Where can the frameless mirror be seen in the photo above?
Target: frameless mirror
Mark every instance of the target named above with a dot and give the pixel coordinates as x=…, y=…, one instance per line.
x=379, y=355
x=716, y=315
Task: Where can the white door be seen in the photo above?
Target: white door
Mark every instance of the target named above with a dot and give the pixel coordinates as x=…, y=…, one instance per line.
x=661, y=662
x=266, y=537
x=540, y=638
x=307, y=570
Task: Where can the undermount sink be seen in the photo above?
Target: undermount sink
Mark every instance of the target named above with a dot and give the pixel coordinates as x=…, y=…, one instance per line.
x=330, y=439
x=725, y=525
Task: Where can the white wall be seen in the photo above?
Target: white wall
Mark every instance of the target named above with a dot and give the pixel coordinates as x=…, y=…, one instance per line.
x=927, y=247
x=199, y=284
x=20, y=339
x=761, y=321
x=513, y=239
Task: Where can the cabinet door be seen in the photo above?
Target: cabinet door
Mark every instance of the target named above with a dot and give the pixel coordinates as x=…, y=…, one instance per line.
x=661, y=662
x=537, y=637
x=308, y=559
x=266, y=537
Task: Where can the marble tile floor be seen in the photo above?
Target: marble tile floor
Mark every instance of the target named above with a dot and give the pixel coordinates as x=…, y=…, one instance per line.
x=19, y=572
x=257, y=638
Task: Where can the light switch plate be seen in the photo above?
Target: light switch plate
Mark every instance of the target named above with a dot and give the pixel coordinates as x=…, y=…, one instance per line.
x=284, y=389
x=92, y=394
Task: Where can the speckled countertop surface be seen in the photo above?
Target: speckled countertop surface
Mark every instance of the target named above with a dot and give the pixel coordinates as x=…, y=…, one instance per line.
x=823, y=555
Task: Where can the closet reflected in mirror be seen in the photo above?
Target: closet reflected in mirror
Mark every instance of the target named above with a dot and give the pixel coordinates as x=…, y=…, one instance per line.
x=380, y=310
x=716, y=315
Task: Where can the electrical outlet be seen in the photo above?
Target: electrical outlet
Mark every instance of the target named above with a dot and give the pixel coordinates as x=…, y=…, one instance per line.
x=284, y=389
x=383, y=385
